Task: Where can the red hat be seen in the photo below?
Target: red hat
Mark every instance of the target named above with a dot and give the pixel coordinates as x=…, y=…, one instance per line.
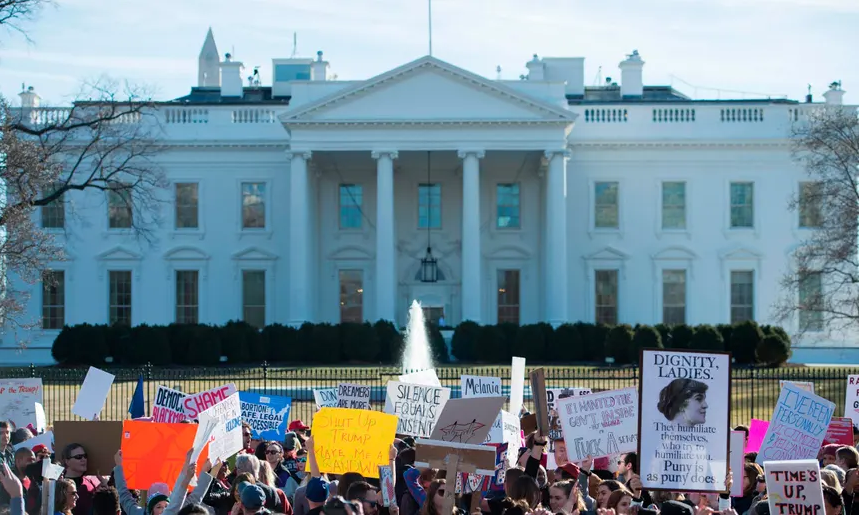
x=297, y=425
x=828, y=450
x=572, y=470
x=39, y=448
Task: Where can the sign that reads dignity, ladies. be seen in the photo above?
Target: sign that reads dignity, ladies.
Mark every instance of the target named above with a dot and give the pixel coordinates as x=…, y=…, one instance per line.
x=684, y=420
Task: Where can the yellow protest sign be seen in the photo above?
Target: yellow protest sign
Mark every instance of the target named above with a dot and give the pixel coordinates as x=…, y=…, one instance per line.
x=352, y=440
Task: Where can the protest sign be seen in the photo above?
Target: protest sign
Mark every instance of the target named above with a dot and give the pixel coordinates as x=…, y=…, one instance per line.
x=268, y=415
x=758, y=428
x=468, y=420
x=193, y=404
x=852, y=397
x=227, y=437
x=386, y=485
x=423, y=377
x=803, y=385
x=556, y=437
x=506, y=431
x=51, y=471
x=684, y=420
x=18, y=398
x=99, y=438
x=554, y=394
x=477, y=386
x=794, y=487
x=736, y=461
x=167, y=406
x=155, y=453
x=417, y=406
x=325, y=397
x=797, y=428
x=41, y=419
x=841, y=431
x=600, y=424
x=352, y=440
x=518, y=372
x=353, y=396
x=46, y=439
x=93, y=394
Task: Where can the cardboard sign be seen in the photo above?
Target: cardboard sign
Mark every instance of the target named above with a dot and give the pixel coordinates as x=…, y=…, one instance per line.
x=18, y=398
x=852, y=398
x=539, y=396
x=325, y=397
x=601, y=424
x=423, y=377
x=352, y=440
x=803, y=385
x=100, y=439
x=195, y=403
x=227, y=437
x=93, y=395
x=758, y=428
x=475, y=459
x=417, y=407
x=353, y=396
x=797, y=428
x=268, y=415
x=154, y=452
x=794, y=487
x=477, y=386
x=736, y=461
x=841, y=431
x=467, y=421
x=518, y=372
x=386, y=484
x=168, y=405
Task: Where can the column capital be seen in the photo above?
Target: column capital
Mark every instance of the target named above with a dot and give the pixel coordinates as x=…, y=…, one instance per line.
x=549, y=154
x=301, y=154
x=376, y=154
x=465, y=152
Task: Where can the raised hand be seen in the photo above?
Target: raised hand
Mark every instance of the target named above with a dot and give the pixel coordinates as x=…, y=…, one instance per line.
x=10, y=482
x=117, y=458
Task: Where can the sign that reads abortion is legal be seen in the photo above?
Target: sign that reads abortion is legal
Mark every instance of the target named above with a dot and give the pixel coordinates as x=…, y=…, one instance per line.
x=194, y=404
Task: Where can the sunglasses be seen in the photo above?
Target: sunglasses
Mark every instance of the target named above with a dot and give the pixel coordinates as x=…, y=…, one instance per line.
x=78, y=457
x=373, y=504
x=246, y=434
x=273, y=451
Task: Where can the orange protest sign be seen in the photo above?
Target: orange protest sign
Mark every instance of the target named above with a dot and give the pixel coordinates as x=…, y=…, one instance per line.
x=154, y=452
x=352, y=440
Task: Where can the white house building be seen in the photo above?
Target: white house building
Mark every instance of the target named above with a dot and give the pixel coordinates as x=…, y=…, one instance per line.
x=540, y=199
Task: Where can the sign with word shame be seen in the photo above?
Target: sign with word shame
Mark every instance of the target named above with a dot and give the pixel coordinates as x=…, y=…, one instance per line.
x=352, y=440
x=417, y=406
x=195, y=403
x=794, y=487
x=852, y=398
x=325, y=397
x=227, y=437
x=477, y=386
x=600, y=424
x=267, y=415
x=353, y=396
x=18, y=398
x=798, y=426
x=167, y=406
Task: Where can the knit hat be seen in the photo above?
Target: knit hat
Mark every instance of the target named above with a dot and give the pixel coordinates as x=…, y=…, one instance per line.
x=317, y=490
x=572, y=470
x=154, y=499
x=252, y=496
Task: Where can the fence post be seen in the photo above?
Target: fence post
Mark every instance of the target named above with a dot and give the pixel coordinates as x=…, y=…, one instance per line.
x=32, y=370
x=147, y=369
x=266, y=376
x=752, y=393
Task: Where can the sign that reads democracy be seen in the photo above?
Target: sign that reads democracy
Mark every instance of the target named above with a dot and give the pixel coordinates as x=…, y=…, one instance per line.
x=794, y=487
x=167, y=406
x=684, y=420
x=193, y=404
x=798, y=426
x=852, y=399
x=227, y=436
x=477, y=386
x=353, y=396
x=267, y=415
x=600, y=424
x=417, y=406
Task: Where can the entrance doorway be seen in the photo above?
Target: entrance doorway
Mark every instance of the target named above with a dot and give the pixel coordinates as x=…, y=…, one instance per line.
x=434, y=314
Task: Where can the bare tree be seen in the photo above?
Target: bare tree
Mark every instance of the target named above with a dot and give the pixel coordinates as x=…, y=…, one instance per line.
x=820, y=289
x=14, y=13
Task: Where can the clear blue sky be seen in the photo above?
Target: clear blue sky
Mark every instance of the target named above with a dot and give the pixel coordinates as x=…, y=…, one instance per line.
x=775, y=47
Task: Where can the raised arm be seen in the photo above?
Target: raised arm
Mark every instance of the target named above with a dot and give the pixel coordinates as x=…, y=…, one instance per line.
x=126, y=500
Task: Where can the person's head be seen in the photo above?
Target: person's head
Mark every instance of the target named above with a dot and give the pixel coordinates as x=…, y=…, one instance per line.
x=593, y=484
x=246, y=435
x=832, y=501
x=838, y=472
x=251, y=498
x=248, y=463
x=542, y=478
x=628, y=465
x=827, y=454
x=363, y=492
x=65, y=496
x=5, y=433
x=22, y=434
x=242, y=477
x=193, y=508
x=604, y=490
x=435, y=498
x=23, y=457
x=620, y=501
x=74, y=458
x=316, y=492
x=292, y=442
x=511, y=476
x=752, y=471
x=683, y=401
x=156, y=503
x=746, y=431
x=346, y=481
x=526, y=489
x=274, y=453
x=106, y=501
x=41, y=451
x=560, y=492
x=829, y=478
x=846, y=457
x=267, y=474
x=750, y=457
x=560, y=453
x=851, y=478
x=426, y=477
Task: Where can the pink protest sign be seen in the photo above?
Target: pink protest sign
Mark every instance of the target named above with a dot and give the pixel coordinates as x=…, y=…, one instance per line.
x=758, y=428
x=198, y=402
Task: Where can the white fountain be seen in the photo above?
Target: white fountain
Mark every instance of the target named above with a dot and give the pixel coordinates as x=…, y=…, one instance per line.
x=416, y=351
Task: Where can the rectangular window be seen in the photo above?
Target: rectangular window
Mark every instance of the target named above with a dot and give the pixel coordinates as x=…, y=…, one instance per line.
x=809, y=204
x=606, y=297
x=606, y=205
x=53, y=299
x=674, y=205
x=187, y=297
x=54, y=214
x=429, y=206
x=120, y=207
x=350, y=206
x=811, y=302
x=253, y=205
x=741, y=204
x=508, y=206
x=742, y=295
x=351, y=295
x=254, y=297
x=120, y=297
x=674, y=296
x=187, y=205
x=509, y=296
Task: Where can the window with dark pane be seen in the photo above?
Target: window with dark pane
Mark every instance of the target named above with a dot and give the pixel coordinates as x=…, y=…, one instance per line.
x=508, y=206
x=741, y=204
x=674, y=297
x=606, y=297
x=253, y=205
x=351, y=295
x=120, y=207
x=254, y=297
x=508, y=296
x=187, y=205
x=674, y=205
x=187, y=297
x=606, y=205
x=350, y=206
x=54, y=214
x=53, y=299
x=120, y=297
x=811, y=301
x=429, y=206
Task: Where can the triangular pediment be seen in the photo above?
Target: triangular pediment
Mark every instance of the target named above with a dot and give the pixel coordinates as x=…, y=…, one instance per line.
x=428, y=90
x=350, y=252
x=508, y=252
x=254, y=254
x=607, y=253
x=740, y=254
x=119, y=254
x=674, y=253
x=185, y=253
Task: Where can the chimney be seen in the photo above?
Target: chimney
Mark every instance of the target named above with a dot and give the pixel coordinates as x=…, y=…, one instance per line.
x=570, y=70
x=833, y=96
x=319, y=68
x=631, y=76
x=29, y=98
x=535, y=67
x=231, y=77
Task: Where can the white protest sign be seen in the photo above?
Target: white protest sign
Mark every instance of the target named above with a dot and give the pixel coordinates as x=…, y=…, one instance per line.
x=226, y=438
x=852, y=397
x=167, y=405
x=417, y=406
x=518, y=372
x=193, y=404
x=202, y=437
x=506, y=429
x=477, y=386
x=51, y=471
x=794, y=487
x=425, y=377
x=325, y=397
x=41, y=420
x=803, y=385
x=46, y=439
x=18, y=398
x=93, y=395
x=600, y=424
x=355, y=396
x=798, y=426
x=737, y=440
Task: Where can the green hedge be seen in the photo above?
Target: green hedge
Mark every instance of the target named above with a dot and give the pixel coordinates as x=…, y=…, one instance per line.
x=179, y=344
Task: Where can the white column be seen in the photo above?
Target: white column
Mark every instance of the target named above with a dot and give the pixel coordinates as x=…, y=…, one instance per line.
x=300, y=265
x=556, y=287
x=386, y=262
x=471, y=237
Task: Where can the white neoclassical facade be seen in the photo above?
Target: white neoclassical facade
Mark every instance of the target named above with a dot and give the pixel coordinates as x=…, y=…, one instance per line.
x=542, y=199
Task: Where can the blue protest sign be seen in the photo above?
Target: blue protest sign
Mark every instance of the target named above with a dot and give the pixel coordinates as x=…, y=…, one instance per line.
x=268, y=415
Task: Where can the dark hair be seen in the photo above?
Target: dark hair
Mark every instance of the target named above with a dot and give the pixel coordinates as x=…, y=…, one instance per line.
x=675, y=395
x=743, y=428
x=195, y=508
x=407, y=456
x=526, y=488
x=616, y=496
x=67, y=451
x=22, y=451
x=106, y=501
x=5, y=425
x=751, y=456
x=358, y=490
x=632, y=459
x=751, y=471
x=346, y=481
x=337, y=506
x=22, y=434
x=612, y=485
x=831, y=496
x=244, y=477
x=260, y=451
x=60, y=493
x=849, y=454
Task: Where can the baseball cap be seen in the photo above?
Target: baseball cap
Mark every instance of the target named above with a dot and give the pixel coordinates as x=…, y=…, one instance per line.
x=572, y=470
x=297, y=425
x=39, y=448
x=252, y=496
x=317, y=490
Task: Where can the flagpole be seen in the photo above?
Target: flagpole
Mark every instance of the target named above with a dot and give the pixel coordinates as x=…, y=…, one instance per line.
x=430, y=27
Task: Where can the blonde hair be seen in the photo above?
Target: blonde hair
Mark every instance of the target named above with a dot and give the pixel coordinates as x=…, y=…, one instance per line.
x=266, y=474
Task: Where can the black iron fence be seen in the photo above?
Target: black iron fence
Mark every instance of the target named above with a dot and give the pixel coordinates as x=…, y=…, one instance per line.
x=753, y=390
